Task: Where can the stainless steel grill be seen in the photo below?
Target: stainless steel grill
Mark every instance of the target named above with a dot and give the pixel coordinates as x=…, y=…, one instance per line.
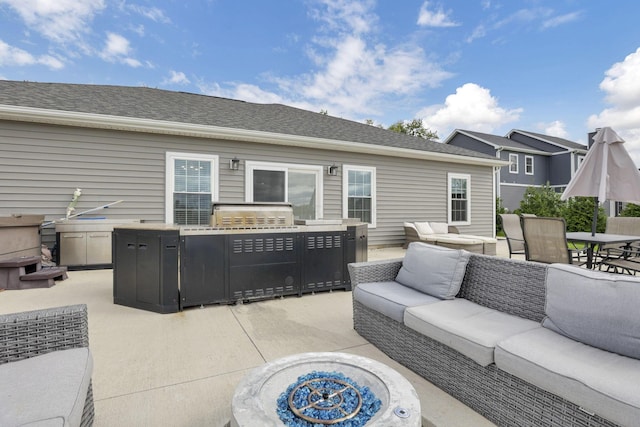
x=250, y=215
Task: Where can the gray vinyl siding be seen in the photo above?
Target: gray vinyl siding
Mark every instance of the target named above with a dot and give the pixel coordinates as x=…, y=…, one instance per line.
x=41, y=165
x=464, y=141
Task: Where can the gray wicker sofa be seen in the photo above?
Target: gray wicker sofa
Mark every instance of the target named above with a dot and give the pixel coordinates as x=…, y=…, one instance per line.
x=502, y=362
x=45, y=368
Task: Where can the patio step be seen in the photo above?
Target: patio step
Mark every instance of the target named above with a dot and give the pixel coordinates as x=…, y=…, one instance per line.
x=43, y=278
x=27, y=273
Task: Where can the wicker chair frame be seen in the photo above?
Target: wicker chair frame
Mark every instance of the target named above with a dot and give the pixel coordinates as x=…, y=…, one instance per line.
x=511, y=286
x=32, y=333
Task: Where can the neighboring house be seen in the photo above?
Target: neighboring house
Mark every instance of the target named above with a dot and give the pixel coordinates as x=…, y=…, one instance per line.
x=533, y=160
x=168, y=155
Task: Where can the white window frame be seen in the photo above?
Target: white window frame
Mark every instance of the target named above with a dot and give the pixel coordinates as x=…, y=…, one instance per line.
x=251, y=166
x=450, y=177
x=345, y=191
x=513, y=164
x=170, y=158
x=526, y=160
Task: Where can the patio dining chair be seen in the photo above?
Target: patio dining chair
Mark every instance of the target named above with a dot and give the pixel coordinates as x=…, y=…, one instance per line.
x=513, y=232
x=629, y=226
x=545, y=240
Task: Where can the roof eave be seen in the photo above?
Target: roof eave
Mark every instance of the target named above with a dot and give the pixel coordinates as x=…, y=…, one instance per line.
x=103, y=121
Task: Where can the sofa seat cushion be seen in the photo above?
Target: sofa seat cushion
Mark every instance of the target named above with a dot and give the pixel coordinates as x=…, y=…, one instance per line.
x=390, y=298
x=599, y=381
x=46, y=390
x=593, y=307
x=467, y=327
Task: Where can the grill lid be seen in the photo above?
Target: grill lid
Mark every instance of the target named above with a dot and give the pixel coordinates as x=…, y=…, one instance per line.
x=233, y=215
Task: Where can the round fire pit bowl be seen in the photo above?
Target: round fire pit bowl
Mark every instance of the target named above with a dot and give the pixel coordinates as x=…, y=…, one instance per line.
x=256, y=396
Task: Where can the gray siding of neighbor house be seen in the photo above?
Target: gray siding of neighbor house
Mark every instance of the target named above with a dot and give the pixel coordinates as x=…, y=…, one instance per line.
x=464, y=141
x=536, y=143
x=41, y=165
x=540, y=169
x=511, y=195
x=560, y=169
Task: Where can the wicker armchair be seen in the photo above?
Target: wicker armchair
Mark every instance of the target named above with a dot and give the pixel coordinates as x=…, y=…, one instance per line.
x=34, y=333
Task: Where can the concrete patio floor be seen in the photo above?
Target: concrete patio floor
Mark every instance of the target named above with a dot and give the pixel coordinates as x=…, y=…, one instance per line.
x=181, y=369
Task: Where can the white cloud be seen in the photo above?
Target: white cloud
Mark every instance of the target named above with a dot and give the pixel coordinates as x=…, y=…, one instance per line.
x=555, y=128
x=434, y=18
x=561, y=20
x=622, y=88
x=14, y=56
x=354, y=76
x=471, y=107
x=60, y=21
x=118, y=49
x=176, y=78
x=153, y=13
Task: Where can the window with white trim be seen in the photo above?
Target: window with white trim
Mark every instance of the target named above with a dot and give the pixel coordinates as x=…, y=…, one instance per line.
x=528, y=165
x=459, y=206
x=513, y=163
x=300, y=185
x=191, y=186
x=359, y=193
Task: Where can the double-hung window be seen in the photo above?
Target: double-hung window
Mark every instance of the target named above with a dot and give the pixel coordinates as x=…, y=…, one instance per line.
x=359, y=193
x=528, y=165
x=459, y=191
x=513, y=163
x=191, y=186
x=300, y=185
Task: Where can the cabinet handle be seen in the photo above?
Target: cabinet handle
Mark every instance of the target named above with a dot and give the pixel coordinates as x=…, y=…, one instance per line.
x=142, y=246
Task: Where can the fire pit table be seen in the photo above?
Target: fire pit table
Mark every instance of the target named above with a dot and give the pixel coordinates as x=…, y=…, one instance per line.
x=340, y=383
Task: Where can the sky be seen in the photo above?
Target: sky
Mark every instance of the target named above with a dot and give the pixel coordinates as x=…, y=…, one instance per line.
x=557, y=67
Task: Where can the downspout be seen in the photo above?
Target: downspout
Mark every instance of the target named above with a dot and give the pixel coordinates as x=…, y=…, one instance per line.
x=496, y=190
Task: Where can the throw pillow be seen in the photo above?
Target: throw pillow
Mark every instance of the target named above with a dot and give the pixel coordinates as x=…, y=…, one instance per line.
x=423, y=228
x=439, y=227
x=433, y=270
x=595, y=308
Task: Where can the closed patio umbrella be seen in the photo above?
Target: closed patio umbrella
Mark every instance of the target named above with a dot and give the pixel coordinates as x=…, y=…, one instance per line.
x=607, y=173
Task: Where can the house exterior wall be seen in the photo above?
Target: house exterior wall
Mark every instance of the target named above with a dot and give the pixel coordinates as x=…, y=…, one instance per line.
x=464, y=141
x=560, y=169
x=535, y=143
x=41, y=165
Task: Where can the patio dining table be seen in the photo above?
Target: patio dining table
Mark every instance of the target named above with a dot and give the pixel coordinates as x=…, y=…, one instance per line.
x=599, y=239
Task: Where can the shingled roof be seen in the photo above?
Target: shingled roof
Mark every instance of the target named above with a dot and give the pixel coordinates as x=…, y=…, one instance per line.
x=189, y=108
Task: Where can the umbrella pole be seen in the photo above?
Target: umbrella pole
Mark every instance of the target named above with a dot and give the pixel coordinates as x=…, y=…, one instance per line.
x=594, y=222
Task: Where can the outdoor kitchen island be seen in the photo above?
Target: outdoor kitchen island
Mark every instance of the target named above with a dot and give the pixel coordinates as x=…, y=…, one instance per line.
x=251, y=252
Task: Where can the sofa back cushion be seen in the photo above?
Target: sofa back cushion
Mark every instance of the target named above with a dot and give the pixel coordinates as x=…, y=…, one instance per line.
x=433, y=270
x=439, y=227
x=423, y=228
x=596, y=308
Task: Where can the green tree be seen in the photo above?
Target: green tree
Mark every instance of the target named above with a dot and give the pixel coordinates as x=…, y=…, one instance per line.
x=630, y=209
x=578, y=213
x=500, y=209
x=541, y=201
x=414, y=128
x=370, y=122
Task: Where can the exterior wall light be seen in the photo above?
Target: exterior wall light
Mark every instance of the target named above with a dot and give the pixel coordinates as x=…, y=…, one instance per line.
x=234, y=164
x=332, y=170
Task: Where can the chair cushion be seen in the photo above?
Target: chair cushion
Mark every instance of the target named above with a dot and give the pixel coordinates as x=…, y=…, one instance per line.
x=390, y=298
x=434, y=270
x=593, y=307
x=467, y=327
x=46, y=390
x=439, y=227
x=601, y=382
x=423, y=228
